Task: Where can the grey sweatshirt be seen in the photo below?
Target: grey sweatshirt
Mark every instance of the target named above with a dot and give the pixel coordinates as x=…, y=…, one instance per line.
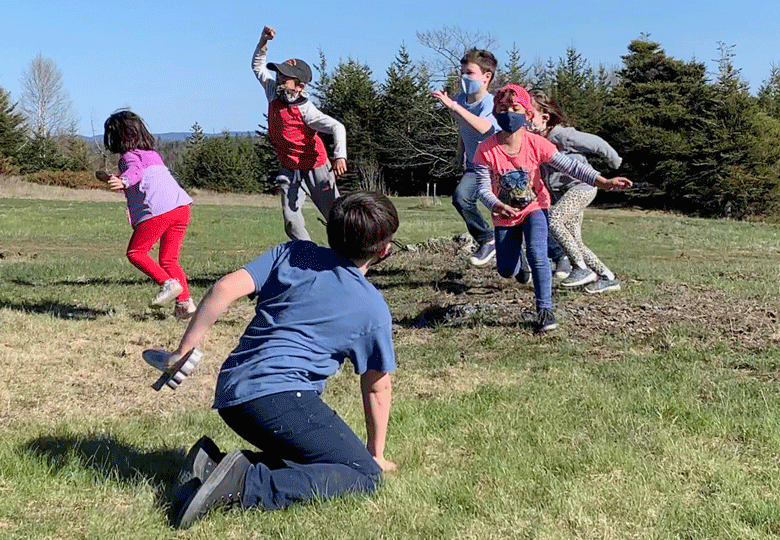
x=576, y=145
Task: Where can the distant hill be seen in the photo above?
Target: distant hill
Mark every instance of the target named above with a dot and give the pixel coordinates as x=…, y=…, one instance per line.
x=181, y=135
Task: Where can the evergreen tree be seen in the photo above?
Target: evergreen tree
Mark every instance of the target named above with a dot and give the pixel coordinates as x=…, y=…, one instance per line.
x=223, y=163
x=738, y=170
x=11, y=132
x=514, y=71
x=655, y=120
x=769, y=93
x=410, y=152
x=196, y=136
x=704, y=148
x=349, y=96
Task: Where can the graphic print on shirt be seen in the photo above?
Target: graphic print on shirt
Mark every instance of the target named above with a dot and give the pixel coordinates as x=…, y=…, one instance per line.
x=516, y=189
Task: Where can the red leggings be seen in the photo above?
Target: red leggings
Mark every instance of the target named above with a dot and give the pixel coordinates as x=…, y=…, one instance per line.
x=169, y=229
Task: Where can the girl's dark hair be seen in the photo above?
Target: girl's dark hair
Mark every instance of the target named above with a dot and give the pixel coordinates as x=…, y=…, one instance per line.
x=548, y=105
x=361, y=224
x=125, y=131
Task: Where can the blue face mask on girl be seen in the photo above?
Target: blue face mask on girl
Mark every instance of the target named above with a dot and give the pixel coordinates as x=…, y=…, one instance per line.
x=511, y=121
x=469, y=85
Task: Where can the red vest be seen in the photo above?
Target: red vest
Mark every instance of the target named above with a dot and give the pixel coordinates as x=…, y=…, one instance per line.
x=298, y=147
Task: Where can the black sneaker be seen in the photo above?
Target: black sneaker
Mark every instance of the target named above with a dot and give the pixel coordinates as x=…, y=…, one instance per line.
x=202, y=459
x=523, y=276
x=223, y=488
x=545, y=321
x=483, y=255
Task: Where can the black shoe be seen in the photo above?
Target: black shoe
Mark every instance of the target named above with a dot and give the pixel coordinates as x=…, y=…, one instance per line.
x=545, y=321
x=223, y=488
x=523, y=276
x=202, y=459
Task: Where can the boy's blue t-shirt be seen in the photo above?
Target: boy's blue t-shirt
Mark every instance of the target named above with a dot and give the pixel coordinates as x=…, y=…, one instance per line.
x=314, y=309
x=471, y=139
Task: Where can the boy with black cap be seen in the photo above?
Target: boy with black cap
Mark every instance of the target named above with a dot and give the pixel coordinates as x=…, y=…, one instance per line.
x=293, y=123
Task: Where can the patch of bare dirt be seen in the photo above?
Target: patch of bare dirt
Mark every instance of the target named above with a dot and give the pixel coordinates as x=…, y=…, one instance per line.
x=448, y=291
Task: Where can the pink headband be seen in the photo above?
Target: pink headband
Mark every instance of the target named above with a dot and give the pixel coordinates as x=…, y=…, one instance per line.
x=521, y=96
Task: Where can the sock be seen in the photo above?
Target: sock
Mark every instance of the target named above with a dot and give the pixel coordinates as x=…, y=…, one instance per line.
x=609, y=275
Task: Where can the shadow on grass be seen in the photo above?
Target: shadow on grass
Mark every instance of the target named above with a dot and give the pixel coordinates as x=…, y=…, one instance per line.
x=466, y=316
x=113, y=459
x=194, y=281
x=59, y=310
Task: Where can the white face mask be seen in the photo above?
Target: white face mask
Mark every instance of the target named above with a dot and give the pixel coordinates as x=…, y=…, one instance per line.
x=287, y=95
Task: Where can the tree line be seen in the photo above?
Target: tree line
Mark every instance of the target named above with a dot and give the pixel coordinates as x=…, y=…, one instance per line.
x=692, y=143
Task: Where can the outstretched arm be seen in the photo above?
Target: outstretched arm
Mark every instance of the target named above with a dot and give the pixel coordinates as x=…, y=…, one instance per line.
x=586, y=173
x=480, y=124
x=213, y=305
x=376, y=388
x=262, y=73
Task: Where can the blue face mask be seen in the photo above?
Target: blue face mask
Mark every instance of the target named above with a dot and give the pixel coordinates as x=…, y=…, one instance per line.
x=469, y=85
x=511, y=121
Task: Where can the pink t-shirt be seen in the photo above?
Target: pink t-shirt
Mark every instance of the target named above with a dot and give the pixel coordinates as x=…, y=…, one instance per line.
x=534, y=150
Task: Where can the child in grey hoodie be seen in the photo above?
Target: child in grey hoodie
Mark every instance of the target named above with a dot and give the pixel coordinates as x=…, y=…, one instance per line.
x=567, y=214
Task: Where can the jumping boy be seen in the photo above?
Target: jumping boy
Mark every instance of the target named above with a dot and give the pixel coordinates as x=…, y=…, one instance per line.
x=268, y=389
x=293, y=123
x=473, y=109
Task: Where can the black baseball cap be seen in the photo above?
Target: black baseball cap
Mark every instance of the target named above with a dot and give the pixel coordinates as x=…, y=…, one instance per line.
x=294, y=68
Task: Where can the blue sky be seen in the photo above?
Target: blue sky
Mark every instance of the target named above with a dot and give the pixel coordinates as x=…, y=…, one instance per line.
x=177, y=62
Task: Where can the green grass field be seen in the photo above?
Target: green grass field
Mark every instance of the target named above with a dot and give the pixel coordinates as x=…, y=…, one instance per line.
x=651, y=413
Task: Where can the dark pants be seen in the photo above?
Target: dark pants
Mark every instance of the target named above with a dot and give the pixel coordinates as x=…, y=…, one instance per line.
x=308, y=451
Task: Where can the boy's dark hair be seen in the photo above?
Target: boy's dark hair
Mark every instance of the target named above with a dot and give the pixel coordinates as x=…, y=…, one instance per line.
x=484, y=59
x=361, y=224
x=125, y=131
x=548, y=105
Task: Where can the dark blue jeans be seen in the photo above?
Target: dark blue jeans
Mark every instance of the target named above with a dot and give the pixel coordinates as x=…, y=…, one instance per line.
x=509, y=243
x=465, y=202
x=308, y=451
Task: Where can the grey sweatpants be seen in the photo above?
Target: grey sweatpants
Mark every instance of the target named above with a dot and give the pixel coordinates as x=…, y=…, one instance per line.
x=319, y=184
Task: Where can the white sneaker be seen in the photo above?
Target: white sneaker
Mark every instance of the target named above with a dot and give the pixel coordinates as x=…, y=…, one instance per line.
x=169, y=290
x=184, y=310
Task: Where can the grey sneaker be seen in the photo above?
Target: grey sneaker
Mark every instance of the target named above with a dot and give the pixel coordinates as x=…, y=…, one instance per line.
x=169, y=290
x=223, y=488
x=603, y=285
x=545, y=321
x=579, y=276
x=484, y=253
x=201, y=461
x=562, y=269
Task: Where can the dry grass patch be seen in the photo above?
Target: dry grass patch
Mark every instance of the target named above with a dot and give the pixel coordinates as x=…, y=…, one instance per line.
x=14, y=187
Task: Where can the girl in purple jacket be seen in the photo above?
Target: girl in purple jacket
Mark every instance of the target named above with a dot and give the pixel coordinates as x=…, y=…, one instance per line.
x=158, y=208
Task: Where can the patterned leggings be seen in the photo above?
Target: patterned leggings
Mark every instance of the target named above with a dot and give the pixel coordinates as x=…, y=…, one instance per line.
x=566, y=226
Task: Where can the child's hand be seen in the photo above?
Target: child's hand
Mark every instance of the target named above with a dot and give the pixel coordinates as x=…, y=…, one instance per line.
x=505, y=211
x=611, y=183
x=115, y=184
x=339, y=167
x=385, y=465
x=267, y=35
x=443, y=98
